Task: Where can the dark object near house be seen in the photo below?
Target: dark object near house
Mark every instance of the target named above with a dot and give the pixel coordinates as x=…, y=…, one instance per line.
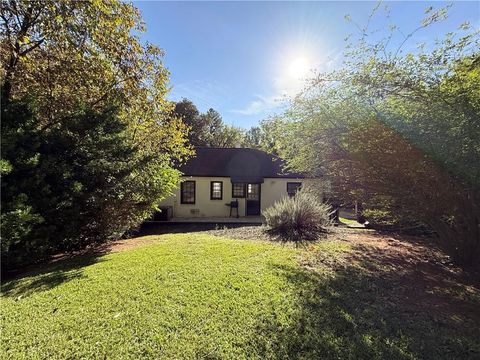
x=233, y=205
x=165, y=214
x=361, y=219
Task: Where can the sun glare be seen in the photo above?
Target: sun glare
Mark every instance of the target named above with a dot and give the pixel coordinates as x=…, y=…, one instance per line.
x=298, y=68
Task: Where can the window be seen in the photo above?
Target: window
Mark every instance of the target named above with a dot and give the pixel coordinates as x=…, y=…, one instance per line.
x=187, y=192
x=293, y=187
x=238, y=190
x=253, y=191
x=216, y=190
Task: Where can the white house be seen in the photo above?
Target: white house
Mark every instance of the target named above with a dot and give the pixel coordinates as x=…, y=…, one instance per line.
x=218, y=182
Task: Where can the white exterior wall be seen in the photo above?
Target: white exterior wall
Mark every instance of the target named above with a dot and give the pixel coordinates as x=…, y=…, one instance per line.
x=205, y=206
x=272, y=190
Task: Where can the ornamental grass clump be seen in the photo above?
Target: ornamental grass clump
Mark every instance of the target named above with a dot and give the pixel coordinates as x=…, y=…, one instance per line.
x=298, y=218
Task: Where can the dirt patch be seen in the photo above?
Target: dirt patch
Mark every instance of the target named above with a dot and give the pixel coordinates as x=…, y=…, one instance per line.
x=129, y=244
x=419, y=275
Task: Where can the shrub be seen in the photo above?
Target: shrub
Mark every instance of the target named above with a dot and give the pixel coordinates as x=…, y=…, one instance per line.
x=299, y=218
x=379, y=216
x=75, y=184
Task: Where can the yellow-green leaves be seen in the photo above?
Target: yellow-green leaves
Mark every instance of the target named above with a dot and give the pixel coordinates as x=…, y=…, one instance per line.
x=90, y=55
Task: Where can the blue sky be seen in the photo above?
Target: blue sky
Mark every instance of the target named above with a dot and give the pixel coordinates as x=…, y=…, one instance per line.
x=244, y=58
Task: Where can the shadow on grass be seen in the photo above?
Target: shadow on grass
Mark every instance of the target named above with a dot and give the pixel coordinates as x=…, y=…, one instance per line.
x=47, y=276
x=357, y=314
x=158, y=228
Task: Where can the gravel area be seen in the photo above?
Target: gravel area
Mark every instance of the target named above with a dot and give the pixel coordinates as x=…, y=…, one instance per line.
x=242, y=233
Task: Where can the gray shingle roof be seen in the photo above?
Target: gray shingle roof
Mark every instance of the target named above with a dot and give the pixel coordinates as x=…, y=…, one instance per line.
x=241, y=164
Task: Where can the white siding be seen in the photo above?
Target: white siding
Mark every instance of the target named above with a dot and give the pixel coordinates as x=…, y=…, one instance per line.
x=204, y=207
x=272, y=190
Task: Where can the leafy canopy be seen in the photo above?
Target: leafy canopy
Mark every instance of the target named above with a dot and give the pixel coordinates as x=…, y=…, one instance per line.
x=400, y=126
x=89, y=140
x=207, y=129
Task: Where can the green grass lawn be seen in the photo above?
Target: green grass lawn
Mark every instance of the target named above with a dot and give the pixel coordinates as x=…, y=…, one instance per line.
x=197, y=296
x=350, y=222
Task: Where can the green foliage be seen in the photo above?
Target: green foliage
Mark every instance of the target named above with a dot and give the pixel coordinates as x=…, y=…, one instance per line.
x=380, y=216
x=267, y=137
x=5, y=167
x=227, y=136
x=19, y=147
x=82, y=181
x=252, y=138
x=299, y=218
x=381, y=211
x=88, y=53
x=402, y=126
x=207, y=129
x=188, y=113
x=219, y=134
x=77, y=169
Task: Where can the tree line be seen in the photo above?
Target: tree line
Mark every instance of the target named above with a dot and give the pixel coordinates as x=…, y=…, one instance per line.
x=209, y=129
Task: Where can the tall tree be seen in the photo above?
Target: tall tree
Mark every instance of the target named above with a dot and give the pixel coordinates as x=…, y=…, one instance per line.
x=207, y=129
x=219, y=134
x=72, y=53
x=189, y=114
x=267, y=135
x=82, y=182
x=227, y=136
x=214, y=122
x=75, y=170
x=252, y=138
x=402, y=127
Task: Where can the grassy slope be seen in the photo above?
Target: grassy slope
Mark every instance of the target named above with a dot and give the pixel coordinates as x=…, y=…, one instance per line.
x=187, y=296
x=198, y=296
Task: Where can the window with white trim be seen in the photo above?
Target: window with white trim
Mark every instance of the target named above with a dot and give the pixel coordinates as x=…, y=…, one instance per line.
x=216, y=190
x=187, y=192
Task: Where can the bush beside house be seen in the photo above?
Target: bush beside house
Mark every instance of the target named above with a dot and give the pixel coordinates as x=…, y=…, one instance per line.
x=299, y=218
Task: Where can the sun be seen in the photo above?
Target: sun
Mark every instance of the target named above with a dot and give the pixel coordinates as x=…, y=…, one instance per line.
x=298, y=68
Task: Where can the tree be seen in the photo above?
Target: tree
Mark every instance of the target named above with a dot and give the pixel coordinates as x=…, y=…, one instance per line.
x=207, y=129
x=189, y=114
x=252, y=138
x=227, y=136
x=93, y=150
x=219, y=134
x=403, y=127
x=266, y=136
x=82, y=182
x=68, y=54
x=19, y=147
x=214, y=123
